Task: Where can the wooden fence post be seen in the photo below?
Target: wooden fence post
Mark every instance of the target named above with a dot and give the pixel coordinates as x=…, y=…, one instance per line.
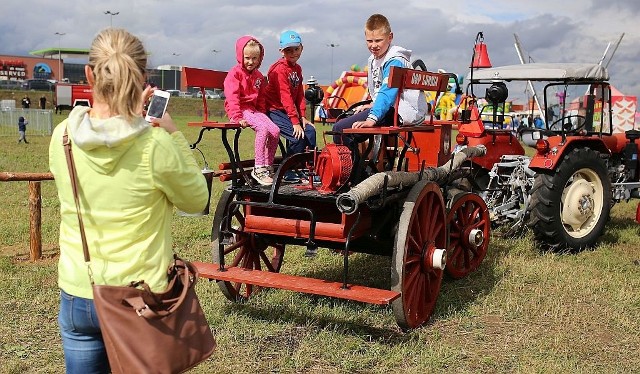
x=35, y=207
x=35, y=221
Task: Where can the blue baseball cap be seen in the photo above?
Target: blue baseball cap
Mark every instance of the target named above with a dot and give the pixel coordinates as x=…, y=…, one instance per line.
x=290, y=39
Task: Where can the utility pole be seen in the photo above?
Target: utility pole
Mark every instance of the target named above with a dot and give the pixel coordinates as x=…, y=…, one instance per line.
x=215, y=53
x=60, y=34
x=175, y=74
x=332, y=46
x=111, y=14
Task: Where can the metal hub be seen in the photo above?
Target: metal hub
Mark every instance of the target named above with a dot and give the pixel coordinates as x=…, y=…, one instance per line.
x=432, y=257
x=578, y=203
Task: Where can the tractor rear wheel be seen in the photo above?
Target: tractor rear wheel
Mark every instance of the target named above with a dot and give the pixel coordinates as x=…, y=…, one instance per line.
x=419, y=255
x=570, y=206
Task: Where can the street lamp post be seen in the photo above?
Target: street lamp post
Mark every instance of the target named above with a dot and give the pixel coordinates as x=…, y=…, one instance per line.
x=332, y=46
x=215, y=53
x=110, y=13
x=175, y=74
x=60, y=34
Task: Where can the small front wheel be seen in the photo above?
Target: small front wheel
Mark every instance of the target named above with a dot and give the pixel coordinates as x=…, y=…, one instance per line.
x=469, y=225
x=240, y=248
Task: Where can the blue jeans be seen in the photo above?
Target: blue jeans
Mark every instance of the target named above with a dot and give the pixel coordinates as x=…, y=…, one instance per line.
x=294, y=145
x=84, y=350
x=347, y=123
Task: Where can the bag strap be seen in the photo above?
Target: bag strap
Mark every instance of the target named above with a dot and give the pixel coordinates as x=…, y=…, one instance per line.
x=73, y=175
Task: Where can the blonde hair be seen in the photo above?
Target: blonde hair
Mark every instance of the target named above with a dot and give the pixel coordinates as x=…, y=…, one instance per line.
x=118, y=60
x=253, y=46
x=377, y=22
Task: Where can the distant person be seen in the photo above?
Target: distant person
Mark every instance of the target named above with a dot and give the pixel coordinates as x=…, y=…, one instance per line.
x=516, y=122
x=26, y=102
x=285, y=100
x=245, y=103
x=538, y=122
x=413, y=106
x=22, y=129
x=43, y=102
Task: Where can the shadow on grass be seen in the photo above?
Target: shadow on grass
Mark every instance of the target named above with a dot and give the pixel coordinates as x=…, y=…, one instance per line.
x=455, y=297
x=615, y=227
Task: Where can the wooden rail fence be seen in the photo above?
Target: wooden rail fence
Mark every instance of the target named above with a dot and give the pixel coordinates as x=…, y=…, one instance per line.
x=35, y=207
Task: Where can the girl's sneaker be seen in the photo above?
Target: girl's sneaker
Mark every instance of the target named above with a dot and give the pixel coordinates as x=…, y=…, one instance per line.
x=261, y=175
x=272, y=170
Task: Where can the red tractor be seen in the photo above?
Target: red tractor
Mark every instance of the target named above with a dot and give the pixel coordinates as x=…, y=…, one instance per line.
x=564, y=193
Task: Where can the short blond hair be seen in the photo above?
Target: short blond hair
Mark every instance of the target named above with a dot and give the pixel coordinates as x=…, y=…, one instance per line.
x=378, y=22
x=118, y=61
x=253, y=46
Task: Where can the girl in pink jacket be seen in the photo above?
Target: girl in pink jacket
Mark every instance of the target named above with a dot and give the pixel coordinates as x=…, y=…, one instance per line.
x=244, y=88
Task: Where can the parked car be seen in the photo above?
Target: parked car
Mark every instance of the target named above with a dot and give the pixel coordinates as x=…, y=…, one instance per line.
x=186, y=94
x=174, y=92
x=208, y=94
x=38, y=84
x=7, y=84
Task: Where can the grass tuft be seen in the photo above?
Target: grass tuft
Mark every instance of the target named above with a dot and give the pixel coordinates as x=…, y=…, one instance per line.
x=522, y=311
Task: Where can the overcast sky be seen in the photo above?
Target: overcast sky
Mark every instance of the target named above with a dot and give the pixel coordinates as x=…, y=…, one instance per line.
x=441, y=33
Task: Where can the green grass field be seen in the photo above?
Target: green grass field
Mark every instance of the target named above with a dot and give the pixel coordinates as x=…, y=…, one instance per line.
x=522, y=311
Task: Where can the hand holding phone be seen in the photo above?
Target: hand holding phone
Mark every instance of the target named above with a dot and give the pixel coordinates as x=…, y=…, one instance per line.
x=158, y=105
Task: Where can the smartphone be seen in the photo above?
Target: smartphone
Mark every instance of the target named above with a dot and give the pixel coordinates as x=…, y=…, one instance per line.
x=158, y=105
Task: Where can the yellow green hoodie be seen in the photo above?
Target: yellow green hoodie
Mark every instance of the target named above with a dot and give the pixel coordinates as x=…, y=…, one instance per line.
x=131, y=175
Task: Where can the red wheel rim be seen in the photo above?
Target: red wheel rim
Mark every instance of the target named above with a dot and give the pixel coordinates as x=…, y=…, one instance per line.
x=468, y=213
x=419, y=282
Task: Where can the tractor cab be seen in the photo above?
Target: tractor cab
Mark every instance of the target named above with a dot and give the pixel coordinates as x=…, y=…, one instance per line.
x=576, y=98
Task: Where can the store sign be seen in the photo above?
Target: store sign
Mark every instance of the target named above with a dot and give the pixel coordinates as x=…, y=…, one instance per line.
x=41, y=71
x=13, y=69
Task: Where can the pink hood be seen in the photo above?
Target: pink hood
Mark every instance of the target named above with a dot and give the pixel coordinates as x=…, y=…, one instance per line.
x=241, y=43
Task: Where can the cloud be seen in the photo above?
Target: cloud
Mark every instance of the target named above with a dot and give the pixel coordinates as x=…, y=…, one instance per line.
x=441, y=33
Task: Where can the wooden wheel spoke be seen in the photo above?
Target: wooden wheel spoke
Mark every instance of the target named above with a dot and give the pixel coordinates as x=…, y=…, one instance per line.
x=455, y=223
x=240, y=256
x=266, y=261
x=234, y=246
x=462, y=216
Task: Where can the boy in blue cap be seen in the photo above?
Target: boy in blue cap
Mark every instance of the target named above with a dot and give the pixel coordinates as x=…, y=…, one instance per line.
x=285, y=99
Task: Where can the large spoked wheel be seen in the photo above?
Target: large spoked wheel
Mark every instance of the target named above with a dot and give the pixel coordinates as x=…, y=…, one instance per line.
x=569, y=208
x=469, y=225
x=419, y=255
x=240, y=248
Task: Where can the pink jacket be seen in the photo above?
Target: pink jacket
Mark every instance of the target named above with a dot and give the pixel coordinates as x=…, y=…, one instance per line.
x=243, y=89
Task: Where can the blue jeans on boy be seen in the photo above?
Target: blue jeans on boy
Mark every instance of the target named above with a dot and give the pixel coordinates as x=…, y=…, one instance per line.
x=294, y=145
x=347, y=123
x=84, y=350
